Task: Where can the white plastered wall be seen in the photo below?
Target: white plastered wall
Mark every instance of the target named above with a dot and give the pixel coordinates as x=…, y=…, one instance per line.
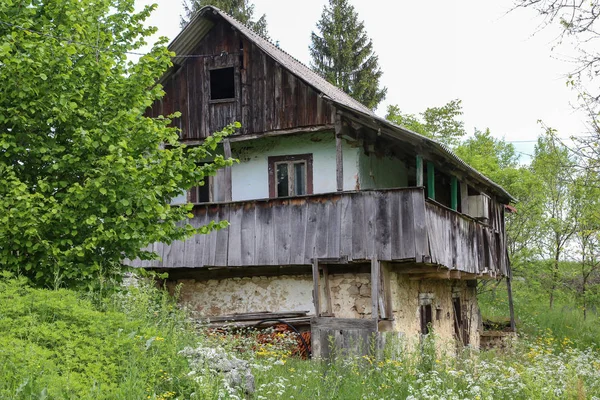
x=250, y=179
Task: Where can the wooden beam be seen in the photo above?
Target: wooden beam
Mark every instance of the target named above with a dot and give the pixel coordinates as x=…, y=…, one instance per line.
x=375, y=265
x=464, y=197
x=328, y=303
x=316, y=288
x=227, y=181
x=454, y=193
x=339, y=160
x=430, y=180
x=419, y=170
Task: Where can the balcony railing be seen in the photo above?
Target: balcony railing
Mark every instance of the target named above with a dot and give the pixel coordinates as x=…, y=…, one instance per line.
x=390, y=224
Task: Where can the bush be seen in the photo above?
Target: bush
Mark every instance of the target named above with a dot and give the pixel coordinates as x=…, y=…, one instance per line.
x=57, y=344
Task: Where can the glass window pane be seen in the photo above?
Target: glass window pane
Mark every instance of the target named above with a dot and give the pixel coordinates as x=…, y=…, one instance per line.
x=299, y=179
x=282, y=180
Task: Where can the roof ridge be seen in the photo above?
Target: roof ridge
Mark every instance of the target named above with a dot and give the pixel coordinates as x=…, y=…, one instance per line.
x=291, y=57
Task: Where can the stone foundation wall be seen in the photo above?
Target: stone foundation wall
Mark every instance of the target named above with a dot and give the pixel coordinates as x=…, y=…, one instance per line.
x=350, y=298
x=406, y=308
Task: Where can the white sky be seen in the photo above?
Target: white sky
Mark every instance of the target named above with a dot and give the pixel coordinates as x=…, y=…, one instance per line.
x=499, y=64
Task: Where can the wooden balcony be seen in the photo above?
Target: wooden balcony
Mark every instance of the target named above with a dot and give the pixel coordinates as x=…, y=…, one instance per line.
x=394, y=225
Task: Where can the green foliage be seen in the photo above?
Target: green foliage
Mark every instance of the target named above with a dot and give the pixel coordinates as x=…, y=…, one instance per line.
x=438, y=123
x=85, y=178
x=343, y=54
x=55, y=344
x=242, y=10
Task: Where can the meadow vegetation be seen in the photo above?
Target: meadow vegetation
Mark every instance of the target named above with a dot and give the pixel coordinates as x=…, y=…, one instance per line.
x=125, y=343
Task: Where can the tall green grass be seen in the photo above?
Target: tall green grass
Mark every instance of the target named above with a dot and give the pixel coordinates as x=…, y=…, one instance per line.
x=60, y=344
x=534, y=316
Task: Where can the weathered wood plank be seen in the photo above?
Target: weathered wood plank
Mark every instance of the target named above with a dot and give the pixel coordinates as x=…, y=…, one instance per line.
x=265, y=252
x=316, y=286
x=375, y=282
x=298, y=224
x=248, y=234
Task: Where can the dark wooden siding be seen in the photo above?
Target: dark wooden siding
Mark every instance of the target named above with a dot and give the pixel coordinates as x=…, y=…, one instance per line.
x=268, y=97
x=394, y=224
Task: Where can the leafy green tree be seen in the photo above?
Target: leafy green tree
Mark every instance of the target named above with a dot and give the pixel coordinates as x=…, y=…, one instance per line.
x=343, y=54
x=554, y=168
x=85, y=178
x=499, y=161
x=438, y=123
x=242, y=10
x=585, y=209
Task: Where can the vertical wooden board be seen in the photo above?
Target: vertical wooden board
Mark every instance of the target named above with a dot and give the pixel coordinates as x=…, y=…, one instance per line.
x=210, y=242
x=301, y=102
x=408, y=246
x=291, y=100
x=346, y=227
x=183, y=101
x=375, y=282
x=312, y=215
x=269, y=95
x=234, y=248
x=282, y=236
x=370, y=221
x=383, y=226
x=189, y=251
x=431, y=235
x=298, y=223
x=277, y=98
x=248, y=240
x=359, y=230
x=397, y=220
x=264, y=245
x=198, y=242
x=311, y=104
x=261, y=81
x=420, y=227
x=246, y=74
x=222, y=248
x=320, y=112
x=237, y=112
x=204, y=111
x=322, y=222
x=316, y=286
x=334, y=228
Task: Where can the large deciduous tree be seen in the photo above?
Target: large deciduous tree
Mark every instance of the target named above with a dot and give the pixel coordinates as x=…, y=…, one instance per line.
x=85, y=176
x=438, y=123
x=242, y=10
x=342, y=52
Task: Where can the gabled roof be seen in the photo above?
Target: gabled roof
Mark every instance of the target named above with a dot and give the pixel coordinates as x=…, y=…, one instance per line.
x=200, y=25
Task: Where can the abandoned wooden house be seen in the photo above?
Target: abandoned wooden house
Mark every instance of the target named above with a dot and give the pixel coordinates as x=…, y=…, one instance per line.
x=339, y=220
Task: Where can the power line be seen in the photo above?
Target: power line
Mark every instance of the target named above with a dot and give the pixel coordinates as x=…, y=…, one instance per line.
x=97, y=48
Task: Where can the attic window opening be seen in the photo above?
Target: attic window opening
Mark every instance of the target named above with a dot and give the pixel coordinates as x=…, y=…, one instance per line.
x=290, y=175
x=222, y=84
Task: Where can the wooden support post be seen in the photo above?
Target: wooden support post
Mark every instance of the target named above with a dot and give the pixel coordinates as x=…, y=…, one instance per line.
x=511, y=308
x=464, y=198
x=419, y=171
x=375, y=287
x=339, y=159
x=454, y=193
x=430, y=180
x=316, y=288
x=328, y=303
x=227, y=183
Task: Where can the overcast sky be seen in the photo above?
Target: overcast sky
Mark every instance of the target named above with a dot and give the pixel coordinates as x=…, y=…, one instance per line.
x=499, y=63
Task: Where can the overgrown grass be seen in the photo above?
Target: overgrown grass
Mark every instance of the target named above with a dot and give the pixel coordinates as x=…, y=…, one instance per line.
x=58, y=344
x=535, y=318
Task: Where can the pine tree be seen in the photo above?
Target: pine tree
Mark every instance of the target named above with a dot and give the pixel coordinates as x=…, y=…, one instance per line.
x=344, y=55
x=241, y=10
